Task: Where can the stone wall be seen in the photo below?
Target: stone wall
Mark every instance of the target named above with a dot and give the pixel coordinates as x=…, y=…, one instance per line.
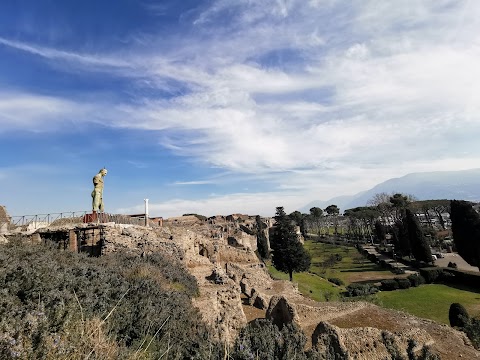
x=4, y=220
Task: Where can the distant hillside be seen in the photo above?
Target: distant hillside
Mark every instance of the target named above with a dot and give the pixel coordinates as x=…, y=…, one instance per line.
x=461, y=185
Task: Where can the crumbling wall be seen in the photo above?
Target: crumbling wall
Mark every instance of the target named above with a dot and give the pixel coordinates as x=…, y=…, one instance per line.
x=4, y=220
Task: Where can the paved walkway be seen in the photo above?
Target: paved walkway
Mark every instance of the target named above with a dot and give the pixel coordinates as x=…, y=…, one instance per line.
x=457, y=259
x=371, y=250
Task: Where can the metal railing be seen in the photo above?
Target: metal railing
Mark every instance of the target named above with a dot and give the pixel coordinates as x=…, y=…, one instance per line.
x=33, y=222
x=48, y=219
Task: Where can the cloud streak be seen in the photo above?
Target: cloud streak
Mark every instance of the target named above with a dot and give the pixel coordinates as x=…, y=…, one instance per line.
x=284, y=86
x=71, y=57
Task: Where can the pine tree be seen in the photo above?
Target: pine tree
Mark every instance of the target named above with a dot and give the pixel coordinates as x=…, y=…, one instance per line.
x=288, y=254
x=466, y=231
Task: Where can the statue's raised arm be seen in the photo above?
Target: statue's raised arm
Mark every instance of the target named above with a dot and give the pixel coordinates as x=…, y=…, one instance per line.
x=97, y=193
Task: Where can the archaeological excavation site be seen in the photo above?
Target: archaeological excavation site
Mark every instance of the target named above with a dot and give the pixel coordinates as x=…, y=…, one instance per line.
x=235, y=287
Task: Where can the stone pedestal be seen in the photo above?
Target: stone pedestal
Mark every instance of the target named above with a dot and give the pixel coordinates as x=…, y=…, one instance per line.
x=90, y=218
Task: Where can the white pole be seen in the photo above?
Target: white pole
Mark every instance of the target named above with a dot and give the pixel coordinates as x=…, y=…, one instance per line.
x=146, y=211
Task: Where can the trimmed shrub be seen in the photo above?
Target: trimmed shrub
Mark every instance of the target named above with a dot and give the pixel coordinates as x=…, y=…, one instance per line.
x=458, y=315
x=431, y=275
x=336, y=281
x=467, y=278
x=356, y=289
x=416, y=280
x=403, y=283
x=389, y=285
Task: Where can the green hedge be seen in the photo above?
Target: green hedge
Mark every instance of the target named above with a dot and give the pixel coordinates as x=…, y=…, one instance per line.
x=336, y=281
x=403, y=283
x=432, y=274
x=389, y=285
x=356, y=289
x=416, y=280
x=467, y=278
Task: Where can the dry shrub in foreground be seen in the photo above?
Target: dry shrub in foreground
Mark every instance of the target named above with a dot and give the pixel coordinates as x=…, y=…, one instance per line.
x=56, y=304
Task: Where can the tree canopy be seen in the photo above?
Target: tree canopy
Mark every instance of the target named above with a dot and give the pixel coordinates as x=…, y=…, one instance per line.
x=316, y=211
x=332, y=210
x=288, y=254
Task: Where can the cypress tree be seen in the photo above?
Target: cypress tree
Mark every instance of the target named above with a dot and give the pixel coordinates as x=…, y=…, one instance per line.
x=458, y=315
x=380, y=231
x=400, y=238
x=288, y=254
x=466, y=231
x=418, y=242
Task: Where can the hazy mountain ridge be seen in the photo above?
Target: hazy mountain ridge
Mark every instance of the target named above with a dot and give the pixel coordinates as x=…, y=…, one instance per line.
x=461, y=185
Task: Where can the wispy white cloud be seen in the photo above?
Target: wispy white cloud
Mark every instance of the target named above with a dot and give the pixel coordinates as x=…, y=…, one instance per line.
x=54, y=54
x=34, y=112
x=344, y=90
x=194, y=182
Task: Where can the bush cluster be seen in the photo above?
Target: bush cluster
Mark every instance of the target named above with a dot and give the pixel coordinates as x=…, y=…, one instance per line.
x=416, y=280
x=332, y=260
x=56, y=304
x=432, y=274
x=389, y=285
x=356, y=289
x=413, y=280
x=458, y=317
x=261, y=339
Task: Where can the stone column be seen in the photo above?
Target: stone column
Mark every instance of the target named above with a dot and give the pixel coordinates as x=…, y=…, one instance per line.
x=72, y=241
x=146, y=212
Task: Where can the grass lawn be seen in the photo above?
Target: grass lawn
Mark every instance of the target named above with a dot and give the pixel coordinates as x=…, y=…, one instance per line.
x=431, y=301
x=352, y=268
x=310, y=285
x=427, y=301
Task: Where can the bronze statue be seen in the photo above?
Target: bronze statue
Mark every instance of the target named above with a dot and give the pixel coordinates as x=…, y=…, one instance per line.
x=97, y=193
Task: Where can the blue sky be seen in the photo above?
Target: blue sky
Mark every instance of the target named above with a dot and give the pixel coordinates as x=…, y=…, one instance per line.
x=224, y=106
